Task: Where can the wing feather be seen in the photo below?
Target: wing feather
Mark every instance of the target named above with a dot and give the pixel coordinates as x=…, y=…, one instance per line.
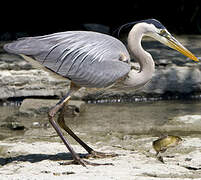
x=89, y=59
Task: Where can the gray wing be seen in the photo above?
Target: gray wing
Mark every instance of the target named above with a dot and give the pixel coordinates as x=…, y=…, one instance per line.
x=89, y=59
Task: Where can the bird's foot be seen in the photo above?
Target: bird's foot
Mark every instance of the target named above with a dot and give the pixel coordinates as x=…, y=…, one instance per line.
x=93, y=154
x=160, y=158
x=84, y=163
x=96, y=154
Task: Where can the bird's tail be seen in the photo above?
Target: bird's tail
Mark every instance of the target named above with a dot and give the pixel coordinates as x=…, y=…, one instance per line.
x=22, y=46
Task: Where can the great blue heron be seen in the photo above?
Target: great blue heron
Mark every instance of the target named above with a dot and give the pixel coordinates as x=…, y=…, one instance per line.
x=94, y=60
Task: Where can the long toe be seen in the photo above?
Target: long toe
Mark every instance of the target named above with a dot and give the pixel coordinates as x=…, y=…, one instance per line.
x=96, y=154
x=85, y=163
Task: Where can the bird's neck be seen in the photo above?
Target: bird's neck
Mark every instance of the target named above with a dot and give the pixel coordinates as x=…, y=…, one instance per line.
x=147, y=66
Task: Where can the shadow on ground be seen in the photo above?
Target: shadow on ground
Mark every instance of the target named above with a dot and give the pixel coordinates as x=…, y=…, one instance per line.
x=34, y=158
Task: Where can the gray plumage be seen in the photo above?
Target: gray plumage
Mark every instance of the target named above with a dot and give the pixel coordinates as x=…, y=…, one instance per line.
x=89, y=59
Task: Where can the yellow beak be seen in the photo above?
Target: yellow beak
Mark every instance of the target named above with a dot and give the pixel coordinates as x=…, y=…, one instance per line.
x=174, y=44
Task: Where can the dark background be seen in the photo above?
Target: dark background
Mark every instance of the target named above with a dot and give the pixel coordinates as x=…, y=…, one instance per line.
x=42, y=17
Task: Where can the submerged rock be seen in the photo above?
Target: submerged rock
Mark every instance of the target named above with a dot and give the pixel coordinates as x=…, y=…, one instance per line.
x=13, y=125
x=12, y=122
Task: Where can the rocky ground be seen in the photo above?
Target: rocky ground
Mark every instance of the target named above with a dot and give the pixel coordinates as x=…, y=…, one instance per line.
x=22, y=159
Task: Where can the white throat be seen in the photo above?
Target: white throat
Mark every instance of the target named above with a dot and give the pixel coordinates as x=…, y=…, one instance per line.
x=147, y=66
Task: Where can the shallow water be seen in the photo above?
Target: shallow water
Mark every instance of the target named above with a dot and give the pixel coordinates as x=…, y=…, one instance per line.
x=101, y=120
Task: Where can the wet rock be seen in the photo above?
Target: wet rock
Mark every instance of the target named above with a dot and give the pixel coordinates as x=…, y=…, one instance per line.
x=163, y=62
x=13, y=62
x=36, y=124
x=12, y=123
x=13, y=126
x=41, y=106
x=30, y=83
x=188, y=119
x=16, y=126
x=75, y=107
x=18, y=78
x=33, y=106
x=175, y=79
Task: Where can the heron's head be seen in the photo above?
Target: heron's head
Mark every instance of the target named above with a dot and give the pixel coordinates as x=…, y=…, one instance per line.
x=157, y=31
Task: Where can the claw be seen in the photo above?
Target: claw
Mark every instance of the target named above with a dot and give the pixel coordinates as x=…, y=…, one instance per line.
x=85, y=163
x=93, y=154
x=96, y=154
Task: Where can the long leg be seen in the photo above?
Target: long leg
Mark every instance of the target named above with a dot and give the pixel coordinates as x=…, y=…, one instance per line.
x=62, y=124
x=91, y=152
x=51, y=115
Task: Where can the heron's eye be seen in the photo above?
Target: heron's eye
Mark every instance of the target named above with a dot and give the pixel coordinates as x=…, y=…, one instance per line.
x=164, y=33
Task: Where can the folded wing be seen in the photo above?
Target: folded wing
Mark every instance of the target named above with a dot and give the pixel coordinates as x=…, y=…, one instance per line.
x=89, y=59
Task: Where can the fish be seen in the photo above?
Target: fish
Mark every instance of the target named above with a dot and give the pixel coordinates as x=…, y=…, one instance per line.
x=162, y=144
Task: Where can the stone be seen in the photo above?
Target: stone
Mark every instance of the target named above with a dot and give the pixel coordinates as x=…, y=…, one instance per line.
x=188, y=119
x=19, y=79
x=175, y=79
x=14, y=125
x=30, y=83
x=41, y=106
